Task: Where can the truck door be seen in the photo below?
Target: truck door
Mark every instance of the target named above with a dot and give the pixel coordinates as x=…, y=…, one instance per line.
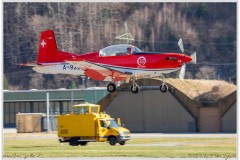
x=103, y=131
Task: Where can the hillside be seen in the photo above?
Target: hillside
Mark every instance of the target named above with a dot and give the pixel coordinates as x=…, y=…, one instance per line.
x=207, y=28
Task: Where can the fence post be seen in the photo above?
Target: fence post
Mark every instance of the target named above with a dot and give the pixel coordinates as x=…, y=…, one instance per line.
x=48, y=112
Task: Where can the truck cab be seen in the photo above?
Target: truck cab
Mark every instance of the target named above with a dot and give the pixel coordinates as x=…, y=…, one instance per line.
x=86, y=124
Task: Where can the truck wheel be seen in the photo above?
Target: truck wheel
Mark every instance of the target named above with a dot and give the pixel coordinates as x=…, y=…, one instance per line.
x=73, y=142
x=112, y=141
x=122, y=142
x=83, y=143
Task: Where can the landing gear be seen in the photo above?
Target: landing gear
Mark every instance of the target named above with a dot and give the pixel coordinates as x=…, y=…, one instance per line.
x=163, y=87
x=134, y=88
x=111, y=87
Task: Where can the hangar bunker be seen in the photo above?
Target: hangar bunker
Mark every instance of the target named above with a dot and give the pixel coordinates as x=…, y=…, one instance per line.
x=189, y=106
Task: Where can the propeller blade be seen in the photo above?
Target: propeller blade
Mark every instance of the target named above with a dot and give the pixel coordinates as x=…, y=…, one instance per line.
x=194, y=58
x=180, y=44
x=182, y=71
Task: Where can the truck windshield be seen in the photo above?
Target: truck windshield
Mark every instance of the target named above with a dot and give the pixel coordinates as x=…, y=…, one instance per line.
x=109, y=123
x=113, y=124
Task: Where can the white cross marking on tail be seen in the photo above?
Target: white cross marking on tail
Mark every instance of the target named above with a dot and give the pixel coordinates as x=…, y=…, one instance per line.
x=43, y=43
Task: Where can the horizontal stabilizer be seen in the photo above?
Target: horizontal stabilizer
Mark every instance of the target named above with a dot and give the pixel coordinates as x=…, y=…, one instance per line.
x=27, y=64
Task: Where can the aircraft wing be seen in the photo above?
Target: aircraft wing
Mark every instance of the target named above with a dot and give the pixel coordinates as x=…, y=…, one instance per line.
x=100, y=72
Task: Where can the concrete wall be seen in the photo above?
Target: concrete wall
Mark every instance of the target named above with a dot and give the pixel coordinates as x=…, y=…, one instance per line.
x=209, y=120
x=229, y=120
x=151, y=111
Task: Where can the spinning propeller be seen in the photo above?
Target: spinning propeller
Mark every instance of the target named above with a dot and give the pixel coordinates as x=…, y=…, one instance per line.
x=192, y=56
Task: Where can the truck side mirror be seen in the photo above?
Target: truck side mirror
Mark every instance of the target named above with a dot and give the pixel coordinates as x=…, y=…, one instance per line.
x=119, y=122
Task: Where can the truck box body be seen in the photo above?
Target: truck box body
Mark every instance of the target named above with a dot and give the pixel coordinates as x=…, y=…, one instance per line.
x=77, y=125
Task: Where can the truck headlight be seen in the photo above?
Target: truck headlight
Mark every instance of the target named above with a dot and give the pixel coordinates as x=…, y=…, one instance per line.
x=126, y=133
x=120, y=133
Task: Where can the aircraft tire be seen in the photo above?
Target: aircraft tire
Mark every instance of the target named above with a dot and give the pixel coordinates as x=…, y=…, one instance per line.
x=163, y=88
x=134, y=89
x=111, y=87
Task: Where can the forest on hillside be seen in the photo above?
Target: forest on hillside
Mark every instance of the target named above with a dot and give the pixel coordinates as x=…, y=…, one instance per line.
x=207, y=28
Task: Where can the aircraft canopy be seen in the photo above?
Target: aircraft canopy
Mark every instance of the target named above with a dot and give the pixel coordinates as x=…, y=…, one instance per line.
x=118, y=50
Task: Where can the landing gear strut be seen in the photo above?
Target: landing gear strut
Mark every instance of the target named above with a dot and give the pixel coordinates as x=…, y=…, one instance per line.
x=134, y=88
x=163, y=86
x=111, y=87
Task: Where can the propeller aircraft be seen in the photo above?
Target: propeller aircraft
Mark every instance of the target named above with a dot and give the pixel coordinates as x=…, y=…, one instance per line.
x=122, y=62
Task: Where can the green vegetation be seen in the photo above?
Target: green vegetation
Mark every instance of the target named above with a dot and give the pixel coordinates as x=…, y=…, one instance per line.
x=73, y=85
x=202, y=11
x=5, y=83
x=17, y=146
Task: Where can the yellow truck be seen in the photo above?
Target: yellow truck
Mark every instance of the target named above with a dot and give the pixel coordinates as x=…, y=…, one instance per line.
x=86, y=124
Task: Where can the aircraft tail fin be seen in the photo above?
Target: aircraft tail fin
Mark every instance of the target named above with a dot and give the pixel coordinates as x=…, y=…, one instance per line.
x=47, y=51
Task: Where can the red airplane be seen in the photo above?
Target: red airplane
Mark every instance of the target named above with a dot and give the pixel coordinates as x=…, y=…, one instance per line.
x=122, y=62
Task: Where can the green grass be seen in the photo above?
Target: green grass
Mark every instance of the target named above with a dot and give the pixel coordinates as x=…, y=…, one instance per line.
x=15, y=146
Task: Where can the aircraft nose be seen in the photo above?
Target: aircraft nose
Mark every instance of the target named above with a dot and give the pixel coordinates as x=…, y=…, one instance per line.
x=187, y=59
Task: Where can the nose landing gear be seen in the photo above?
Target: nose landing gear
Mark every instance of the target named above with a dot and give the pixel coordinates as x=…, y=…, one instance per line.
x=135, y=88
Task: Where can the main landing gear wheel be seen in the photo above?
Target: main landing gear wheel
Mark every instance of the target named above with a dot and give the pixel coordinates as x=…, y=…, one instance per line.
x=134, y=88
x=111, y=87
x=163, y=88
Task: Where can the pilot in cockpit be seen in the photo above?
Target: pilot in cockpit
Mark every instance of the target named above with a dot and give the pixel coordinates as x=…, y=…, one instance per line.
x=129, y=50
